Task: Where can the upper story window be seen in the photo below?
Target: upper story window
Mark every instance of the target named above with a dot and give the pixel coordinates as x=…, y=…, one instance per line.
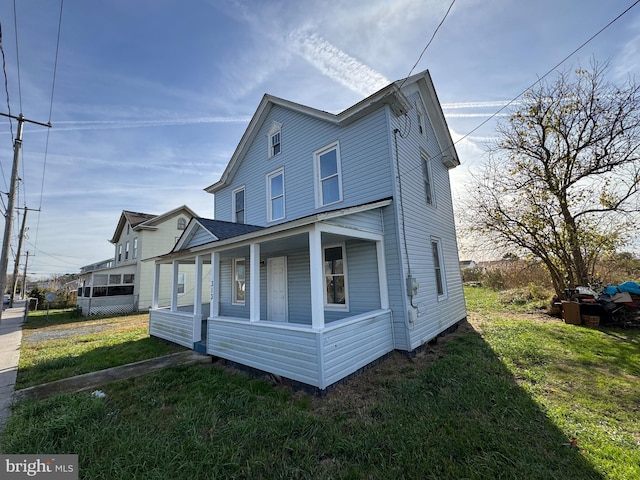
x=275, y=139
x=328, y=175
x=126, y=251
x=420, y=123
x=238, y=205
x=135, y=247
x=120, y=252
x=438, y=262
x=426, y=174
x=275, y=195
x=182, y=224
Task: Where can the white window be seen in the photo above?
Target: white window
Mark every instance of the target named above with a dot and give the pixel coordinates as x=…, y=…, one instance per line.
x=126, y=251
x=182, y=280
x=182, y=224
x=275, y=139
x=328, y=175
x=238, y=205
x=135, y=248
x=238, y=281
x=335, y=277
x=275, y=195
x=438, y=266
x=426, y=174
x=120, y=253
x=421, y=127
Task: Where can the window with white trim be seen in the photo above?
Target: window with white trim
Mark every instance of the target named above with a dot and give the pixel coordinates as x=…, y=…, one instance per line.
x=275, y=195
x=182, y=223
x=328, y=175
x=126, y=251
x=335, y=277
x=426, y=175
x=238, y=205
x=182, y=281
x=120, y=253
x=438, y=267
x=238, y=281
x=275, y=139
x=421, y=126
x=135, y=248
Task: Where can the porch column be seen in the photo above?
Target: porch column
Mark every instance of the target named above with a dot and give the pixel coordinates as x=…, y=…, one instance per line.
x=254, y=289
x=156, y=287
x=197, y=301
x=214, y=306
x=175, y=266
x=316, y=280
x=382, y=276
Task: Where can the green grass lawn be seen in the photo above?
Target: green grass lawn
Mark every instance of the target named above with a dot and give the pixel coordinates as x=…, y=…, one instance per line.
x=61, y=345
x=508, y=396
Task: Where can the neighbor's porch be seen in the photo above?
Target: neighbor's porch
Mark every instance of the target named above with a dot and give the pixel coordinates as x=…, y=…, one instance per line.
x=310, y=304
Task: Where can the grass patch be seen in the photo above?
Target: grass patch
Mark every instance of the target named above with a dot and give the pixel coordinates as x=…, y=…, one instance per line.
x=64, y=346
x=503, y=397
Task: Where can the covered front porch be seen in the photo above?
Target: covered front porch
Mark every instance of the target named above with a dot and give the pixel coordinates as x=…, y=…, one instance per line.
x=308, y=303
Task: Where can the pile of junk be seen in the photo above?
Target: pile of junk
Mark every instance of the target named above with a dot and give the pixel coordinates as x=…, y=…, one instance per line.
x=617, y=305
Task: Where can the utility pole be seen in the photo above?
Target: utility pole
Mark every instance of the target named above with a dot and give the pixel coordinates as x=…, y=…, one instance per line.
x=24, y=279
x=16, y=264
x=6, y=239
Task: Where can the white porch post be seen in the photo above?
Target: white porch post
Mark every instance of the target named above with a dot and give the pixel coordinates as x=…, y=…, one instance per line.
x=214, y=306
x=175, y=268
x=317, y=288
x=156, y=287
x=197, y=301
x=254, y=273
x=382, y=276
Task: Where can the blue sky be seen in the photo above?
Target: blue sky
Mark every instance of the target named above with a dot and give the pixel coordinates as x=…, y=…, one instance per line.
x=152, y=96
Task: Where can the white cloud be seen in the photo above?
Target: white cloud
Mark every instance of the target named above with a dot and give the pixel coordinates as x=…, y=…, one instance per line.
x=336, y=64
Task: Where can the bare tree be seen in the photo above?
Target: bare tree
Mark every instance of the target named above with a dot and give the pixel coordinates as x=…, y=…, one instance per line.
x=561, y=183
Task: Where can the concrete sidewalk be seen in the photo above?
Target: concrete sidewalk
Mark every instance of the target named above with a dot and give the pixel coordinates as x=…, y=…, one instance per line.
x=10, y=338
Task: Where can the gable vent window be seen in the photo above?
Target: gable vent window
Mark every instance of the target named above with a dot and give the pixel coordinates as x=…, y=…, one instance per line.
x=182, y=224
x=275, y=139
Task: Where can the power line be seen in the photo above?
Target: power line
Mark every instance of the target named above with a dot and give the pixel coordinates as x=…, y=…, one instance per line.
x=46, y=149
x=429, y=43
x=543, y=76
x=15, y=22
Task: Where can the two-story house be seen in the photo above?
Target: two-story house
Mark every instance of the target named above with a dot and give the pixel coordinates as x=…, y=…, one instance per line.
x=333, y=241
x=124, y=283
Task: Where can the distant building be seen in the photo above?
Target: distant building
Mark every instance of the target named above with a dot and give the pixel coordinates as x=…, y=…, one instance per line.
x=125, y=282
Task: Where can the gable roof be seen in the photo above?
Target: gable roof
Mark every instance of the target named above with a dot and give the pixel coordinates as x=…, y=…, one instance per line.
x=209, y=230
x=390, y=95
x=141, y=221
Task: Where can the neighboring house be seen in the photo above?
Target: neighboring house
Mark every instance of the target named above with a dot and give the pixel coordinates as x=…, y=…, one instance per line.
x=464, y=264
x=125, y=282
x=334, y=241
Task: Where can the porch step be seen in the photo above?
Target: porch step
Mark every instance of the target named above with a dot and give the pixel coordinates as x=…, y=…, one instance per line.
x=200, y=347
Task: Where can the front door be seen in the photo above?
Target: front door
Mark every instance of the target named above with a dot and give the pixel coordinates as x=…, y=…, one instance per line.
x=277, y=289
